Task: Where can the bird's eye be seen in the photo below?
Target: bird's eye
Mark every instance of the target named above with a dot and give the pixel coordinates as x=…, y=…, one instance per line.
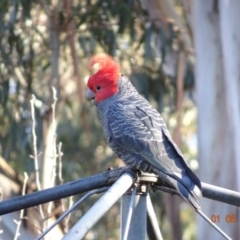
x=98, y=87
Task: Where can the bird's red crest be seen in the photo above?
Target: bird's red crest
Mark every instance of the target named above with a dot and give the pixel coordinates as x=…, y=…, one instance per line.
x=106, y=77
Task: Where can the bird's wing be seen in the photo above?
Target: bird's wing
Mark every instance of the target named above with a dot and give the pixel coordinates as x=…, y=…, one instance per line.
x=140, y=130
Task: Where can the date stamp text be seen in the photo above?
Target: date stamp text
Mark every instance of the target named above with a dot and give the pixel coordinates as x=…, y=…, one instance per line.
x=230, y=218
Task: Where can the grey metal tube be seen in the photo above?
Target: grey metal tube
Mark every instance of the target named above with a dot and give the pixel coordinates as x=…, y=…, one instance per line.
x=220, y=194
x=79, y=230
x=74, y=206
x=137, y=230
x=102, y=180
x=83, y=185
x=153, y=229
x=130, y=211
x=209, y=191
x=213, y=224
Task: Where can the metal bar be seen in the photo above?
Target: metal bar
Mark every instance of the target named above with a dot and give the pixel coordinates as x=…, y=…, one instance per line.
x=221, y=194
x=101, y=180
x=129, y=215
x=210, y=191
x=213, y=225
x=153, y=229
x=65, y=190
x=75, y=205
x=138, y=223
x=79, y=230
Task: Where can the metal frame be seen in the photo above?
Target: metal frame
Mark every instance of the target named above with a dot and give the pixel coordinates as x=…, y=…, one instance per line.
x=111, y=196
x=136, y=206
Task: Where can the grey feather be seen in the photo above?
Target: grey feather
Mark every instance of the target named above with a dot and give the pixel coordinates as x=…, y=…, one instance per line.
x=138, y=135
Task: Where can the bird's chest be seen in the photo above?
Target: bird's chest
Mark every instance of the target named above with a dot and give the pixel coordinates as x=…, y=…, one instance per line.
x=103, y=117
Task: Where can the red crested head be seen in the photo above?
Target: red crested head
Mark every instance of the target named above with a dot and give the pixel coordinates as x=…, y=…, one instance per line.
x=104, y=83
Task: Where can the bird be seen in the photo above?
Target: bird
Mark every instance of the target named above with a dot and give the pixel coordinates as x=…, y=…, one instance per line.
x=136, y=131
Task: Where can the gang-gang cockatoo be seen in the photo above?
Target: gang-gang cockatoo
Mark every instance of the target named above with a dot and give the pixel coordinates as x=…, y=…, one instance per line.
x=136, y=132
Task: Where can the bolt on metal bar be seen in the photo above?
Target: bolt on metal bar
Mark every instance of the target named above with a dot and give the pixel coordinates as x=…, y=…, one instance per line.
x=153, y=229
x=79, y=230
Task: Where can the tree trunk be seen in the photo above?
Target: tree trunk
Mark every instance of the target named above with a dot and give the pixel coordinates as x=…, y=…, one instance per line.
x=229, y=20
x=217, y=148
x=49, y=126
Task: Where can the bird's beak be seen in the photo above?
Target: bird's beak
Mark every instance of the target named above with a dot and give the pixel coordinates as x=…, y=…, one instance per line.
x=90, y=95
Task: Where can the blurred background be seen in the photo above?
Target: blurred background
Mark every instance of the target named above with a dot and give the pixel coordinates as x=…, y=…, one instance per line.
x=182, y=55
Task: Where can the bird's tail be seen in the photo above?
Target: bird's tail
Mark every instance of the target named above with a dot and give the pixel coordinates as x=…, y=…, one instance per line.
x=187, y=185
x=191, y=196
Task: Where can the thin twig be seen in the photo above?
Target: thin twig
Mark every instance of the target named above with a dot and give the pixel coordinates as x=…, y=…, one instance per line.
x=17, y=233
x=35, y=154
x=63, y=201
x=53, y=177
x=66, y=229
x=60, y=163
x=54, y=147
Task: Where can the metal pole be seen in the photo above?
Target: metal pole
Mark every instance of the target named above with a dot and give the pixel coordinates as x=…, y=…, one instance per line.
x=213, y=224
x=208, y=191
x=102, y=180
x=153, y=229
x=220, y=194
x=79, y=230
x=74, y=206
x=130, y=211
x=83, y=185
x=137, y=230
